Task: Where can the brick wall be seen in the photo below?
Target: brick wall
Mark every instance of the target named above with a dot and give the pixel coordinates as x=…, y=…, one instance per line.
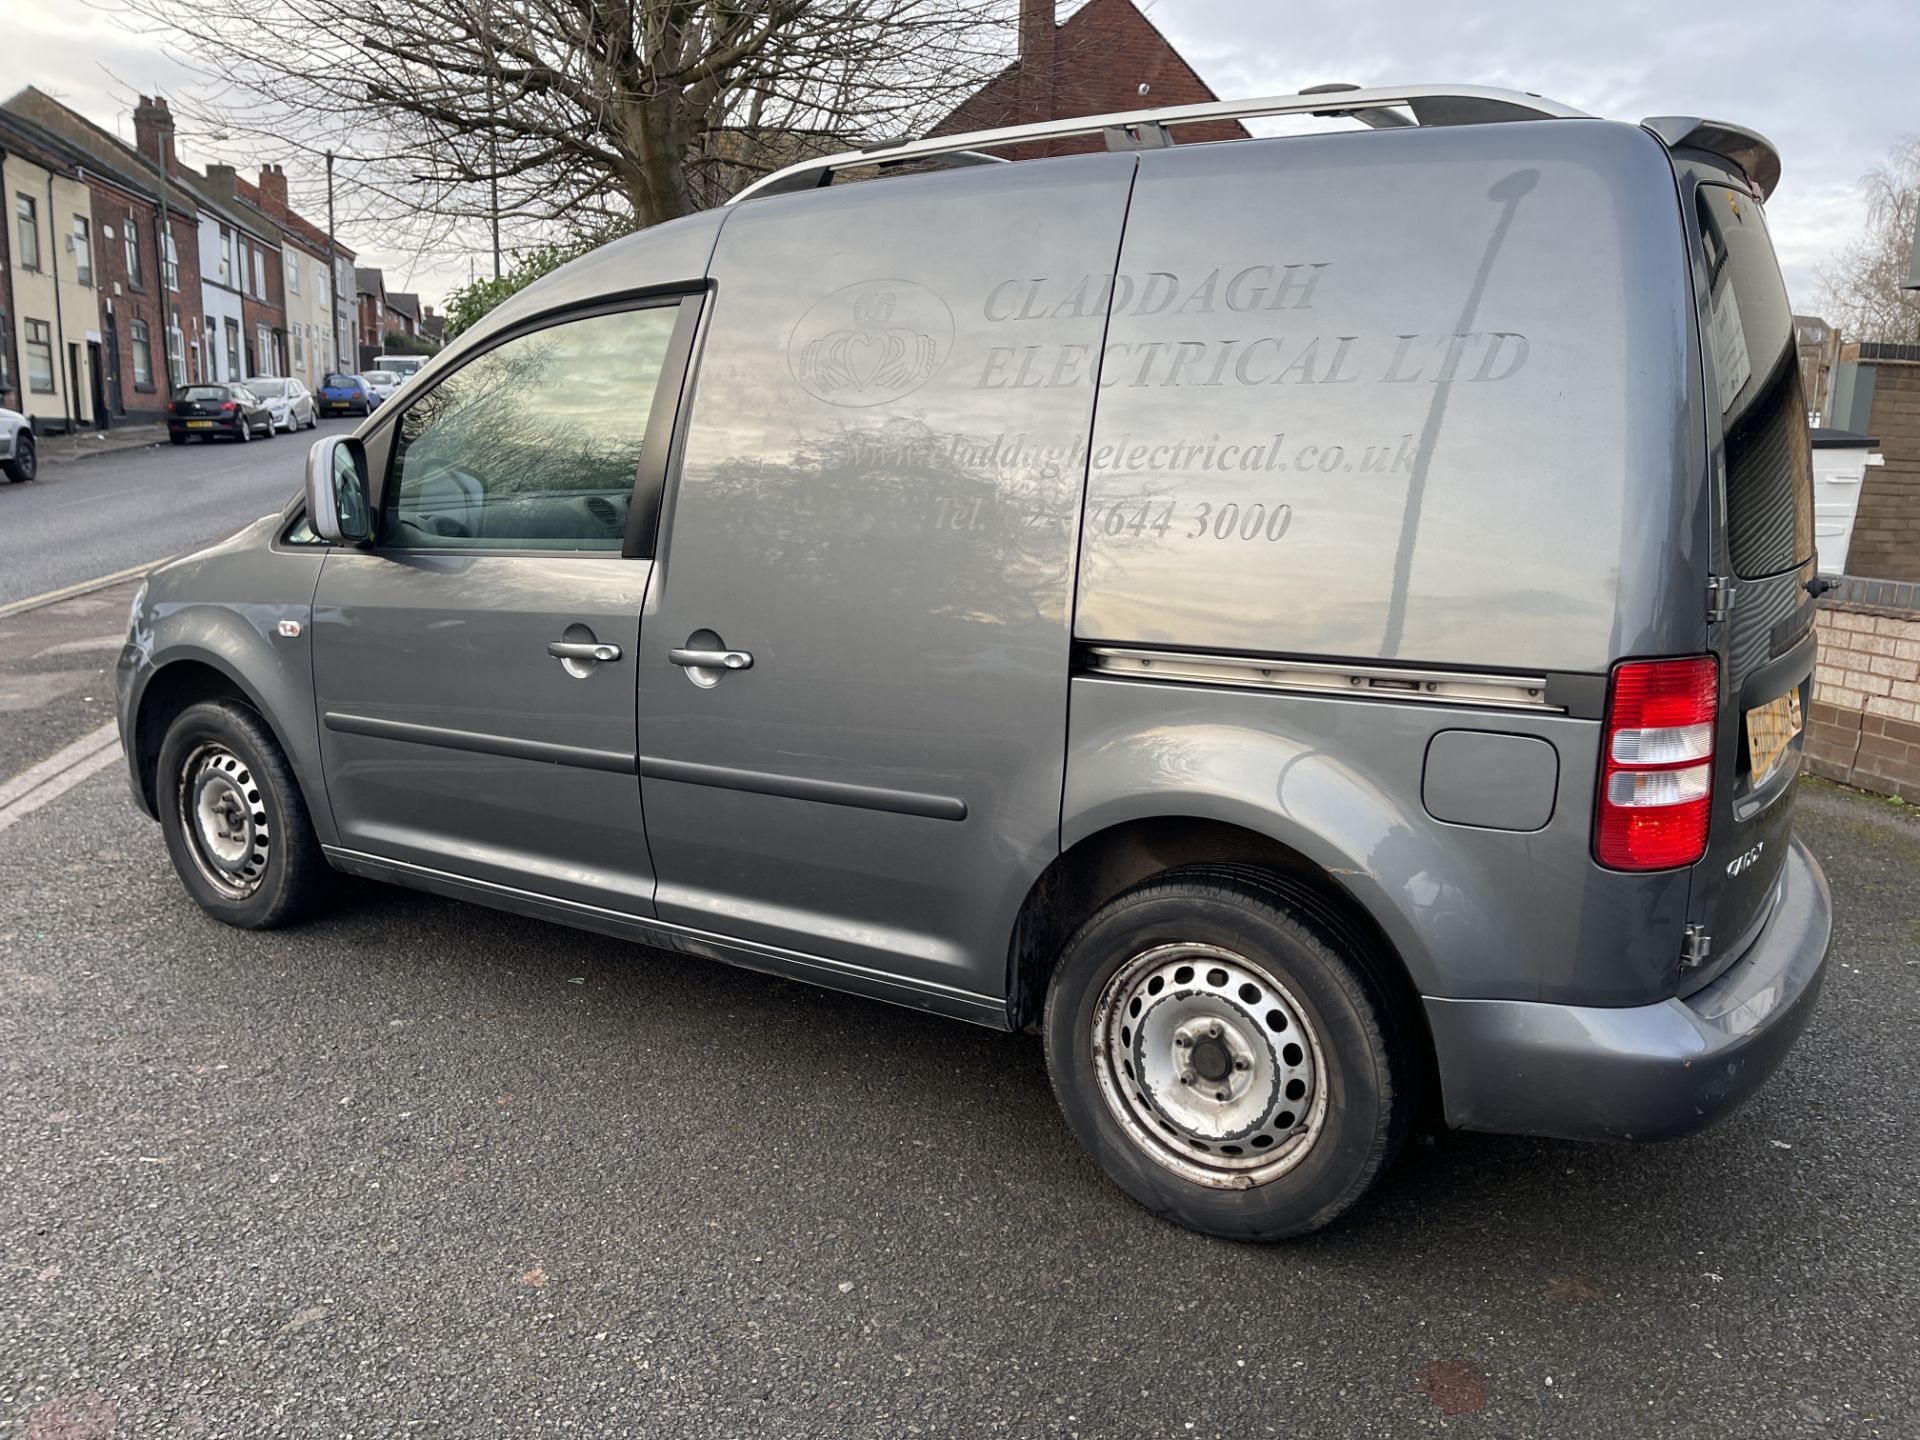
x=1865, y=725
x=111, y=208
x=1886, y=532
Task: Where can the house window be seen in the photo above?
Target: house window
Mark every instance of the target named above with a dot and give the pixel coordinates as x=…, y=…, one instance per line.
x=29, y=229
x=300, y=348
x=227, y=265
x=260, y=274
x=263, y=351
x=82, y=250
x=233, y=349
x=319, y=287
x=133, y=252
x=293, y=273
x=40, y=356
x=142, y=357
x=173, y=265
x=6, y=371
x=176, y=351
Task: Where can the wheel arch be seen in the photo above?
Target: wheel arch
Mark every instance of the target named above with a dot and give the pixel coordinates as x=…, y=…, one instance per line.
x=185, y=678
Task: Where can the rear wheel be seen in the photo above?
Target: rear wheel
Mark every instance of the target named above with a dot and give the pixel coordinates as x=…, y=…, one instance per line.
x=244, y=432
x=25, y=463
x=1228, y=1058
x=233, y=817
x=176, y=439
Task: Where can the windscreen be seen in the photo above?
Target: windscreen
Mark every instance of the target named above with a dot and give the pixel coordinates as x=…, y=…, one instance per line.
x=1757, y=383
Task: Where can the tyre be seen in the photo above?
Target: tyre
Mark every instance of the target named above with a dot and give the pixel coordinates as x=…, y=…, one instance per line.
x=25, y=463
x=245, y=431
x=234, y=820
x=1226, y=1052
x=176, y=439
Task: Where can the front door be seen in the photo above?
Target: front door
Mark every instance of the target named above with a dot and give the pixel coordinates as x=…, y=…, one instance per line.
x=474, y=669
x=854, y=665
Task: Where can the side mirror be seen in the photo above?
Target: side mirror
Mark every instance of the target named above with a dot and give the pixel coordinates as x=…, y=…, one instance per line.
x=339, y=499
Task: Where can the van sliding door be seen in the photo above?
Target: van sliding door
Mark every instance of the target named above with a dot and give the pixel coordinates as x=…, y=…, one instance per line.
x=854, y=658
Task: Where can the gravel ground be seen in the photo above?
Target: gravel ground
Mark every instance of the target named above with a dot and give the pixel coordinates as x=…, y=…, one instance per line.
x=422, y=1169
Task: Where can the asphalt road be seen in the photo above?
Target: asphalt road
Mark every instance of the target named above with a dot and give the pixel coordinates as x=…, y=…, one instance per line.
x=109, y=512
x=420, y=1169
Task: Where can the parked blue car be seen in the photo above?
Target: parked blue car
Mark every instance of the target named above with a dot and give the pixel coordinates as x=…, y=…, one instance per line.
x=348, y=395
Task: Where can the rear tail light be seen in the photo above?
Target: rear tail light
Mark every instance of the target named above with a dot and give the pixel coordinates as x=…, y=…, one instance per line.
x=228, y=406
x=1656, y=780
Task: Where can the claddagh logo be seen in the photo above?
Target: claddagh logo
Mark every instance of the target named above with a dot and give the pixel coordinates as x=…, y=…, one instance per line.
x=871, y=343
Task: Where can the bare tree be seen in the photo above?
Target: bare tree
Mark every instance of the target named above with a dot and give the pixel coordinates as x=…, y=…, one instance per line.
x=581, y=116
x=1861, y=290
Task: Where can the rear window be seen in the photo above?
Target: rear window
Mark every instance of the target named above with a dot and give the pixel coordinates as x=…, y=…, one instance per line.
x=1757, y=383
x=204, y=392
x=339, y=382
x=265, y=388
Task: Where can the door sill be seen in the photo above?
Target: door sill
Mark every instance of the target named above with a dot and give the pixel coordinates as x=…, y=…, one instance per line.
x=930, y=996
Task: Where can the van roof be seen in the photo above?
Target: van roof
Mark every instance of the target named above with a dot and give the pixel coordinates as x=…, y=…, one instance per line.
x=1385, y=108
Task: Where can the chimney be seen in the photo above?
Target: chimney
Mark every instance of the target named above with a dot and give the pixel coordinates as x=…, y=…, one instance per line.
x=1036, y=61
x=273, y=189
x=222, y=180
x=153, y=131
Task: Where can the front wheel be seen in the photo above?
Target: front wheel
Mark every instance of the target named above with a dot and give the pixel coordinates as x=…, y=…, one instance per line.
x=234, y=819
x=25, y=463
x=1227, y=1054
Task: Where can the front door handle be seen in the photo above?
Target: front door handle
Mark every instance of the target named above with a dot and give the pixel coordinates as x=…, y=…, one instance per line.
x=582, y=650
x=711, y=659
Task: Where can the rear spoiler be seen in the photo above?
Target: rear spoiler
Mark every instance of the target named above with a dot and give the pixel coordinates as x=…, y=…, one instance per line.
x=1747, y=150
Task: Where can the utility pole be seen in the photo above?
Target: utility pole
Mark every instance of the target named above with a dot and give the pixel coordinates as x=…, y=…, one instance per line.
x=493, y=176
x=333, y=273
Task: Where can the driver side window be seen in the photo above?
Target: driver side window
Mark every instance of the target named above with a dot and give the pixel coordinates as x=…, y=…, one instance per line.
x=533, y=444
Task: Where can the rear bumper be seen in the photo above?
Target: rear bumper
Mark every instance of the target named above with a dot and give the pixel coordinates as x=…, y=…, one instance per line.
x=1649, y=1072
x=218, y=427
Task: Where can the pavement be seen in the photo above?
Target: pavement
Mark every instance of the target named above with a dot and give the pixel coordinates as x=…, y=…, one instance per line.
x=416, y=1168
x=85, y=444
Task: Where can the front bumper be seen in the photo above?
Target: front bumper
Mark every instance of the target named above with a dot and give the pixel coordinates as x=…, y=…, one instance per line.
x=1649, y=1072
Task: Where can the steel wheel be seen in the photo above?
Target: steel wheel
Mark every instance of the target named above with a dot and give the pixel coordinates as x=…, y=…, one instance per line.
x=1210, y=1065
x=224, y=821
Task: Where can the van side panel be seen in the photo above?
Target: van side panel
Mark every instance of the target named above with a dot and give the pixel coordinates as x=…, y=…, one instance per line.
x=1473, y=912
x=1420, y=395
x=878, y=501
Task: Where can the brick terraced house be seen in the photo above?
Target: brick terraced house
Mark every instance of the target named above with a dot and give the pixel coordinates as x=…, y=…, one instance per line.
x=1106, y=56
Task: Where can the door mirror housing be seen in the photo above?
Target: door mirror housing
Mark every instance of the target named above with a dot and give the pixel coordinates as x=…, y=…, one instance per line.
x=339, y=497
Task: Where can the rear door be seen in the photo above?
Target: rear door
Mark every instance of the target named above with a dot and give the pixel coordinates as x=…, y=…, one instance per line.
x=1764, y=556
x=876, y=517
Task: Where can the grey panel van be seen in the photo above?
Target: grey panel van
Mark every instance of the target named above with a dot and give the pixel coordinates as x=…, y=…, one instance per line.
x=1314, y=627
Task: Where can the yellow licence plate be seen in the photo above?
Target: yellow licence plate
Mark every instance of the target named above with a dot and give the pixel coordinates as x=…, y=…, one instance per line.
x=1770, y=729
x=199, y=424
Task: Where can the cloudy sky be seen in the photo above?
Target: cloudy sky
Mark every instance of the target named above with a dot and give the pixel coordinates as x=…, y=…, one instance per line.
x=1831, y=86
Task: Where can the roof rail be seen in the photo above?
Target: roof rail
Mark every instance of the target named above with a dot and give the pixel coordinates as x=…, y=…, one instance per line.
x=1137, y=129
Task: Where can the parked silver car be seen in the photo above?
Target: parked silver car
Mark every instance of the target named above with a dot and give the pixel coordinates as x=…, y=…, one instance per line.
x=19, y=455
x=1349, y=653
x=288, y=401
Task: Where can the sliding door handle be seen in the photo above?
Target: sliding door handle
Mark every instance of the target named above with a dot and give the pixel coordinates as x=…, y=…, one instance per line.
x=582, y=650
x=711, y=659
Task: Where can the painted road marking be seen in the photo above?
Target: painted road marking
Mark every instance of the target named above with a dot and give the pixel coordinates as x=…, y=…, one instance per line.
x=57, y=774
x=67, y=592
